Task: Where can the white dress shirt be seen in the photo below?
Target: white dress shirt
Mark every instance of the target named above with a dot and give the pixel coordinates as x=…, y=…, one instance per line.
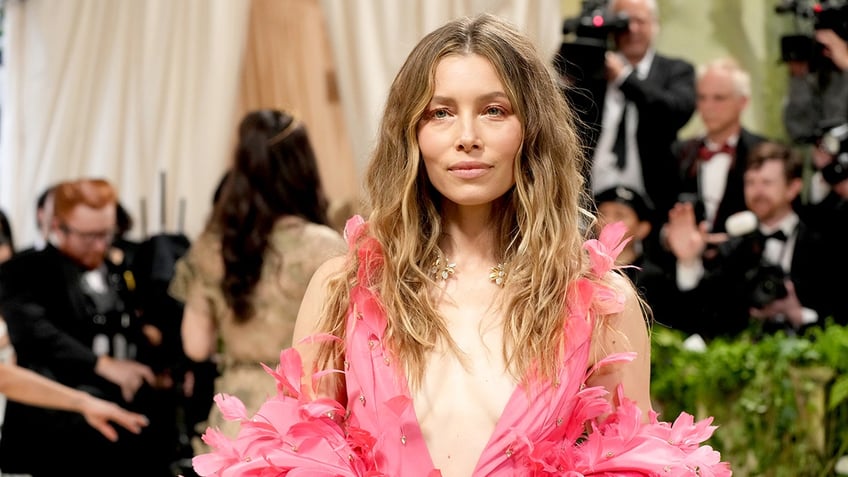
x=712, y=178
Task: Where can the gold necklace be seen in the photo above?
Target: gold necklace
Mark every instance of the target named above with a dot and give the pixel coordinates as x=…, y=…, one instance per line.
x=497, y=274
x=443, y=269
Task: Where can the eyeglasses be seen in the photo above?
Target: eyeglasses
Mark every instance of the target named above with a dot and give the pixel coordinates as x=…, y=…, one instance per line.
x=103, y=236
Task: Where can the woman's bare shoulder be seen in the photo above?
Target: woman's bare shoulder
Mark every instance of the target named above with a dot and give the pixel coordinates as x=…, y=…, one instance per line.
x=627, y=330
x=311, y=307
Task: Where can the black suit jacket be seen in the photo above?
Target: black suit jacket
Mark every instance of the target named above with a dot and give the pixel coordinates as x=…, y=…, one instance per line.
x=665, y=101
x=830, y=218
x=733, y=200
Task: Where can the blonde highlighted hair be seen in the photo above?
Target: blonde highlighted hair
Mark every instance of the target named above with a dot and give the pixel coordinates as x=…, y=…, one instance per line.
x=541, y=221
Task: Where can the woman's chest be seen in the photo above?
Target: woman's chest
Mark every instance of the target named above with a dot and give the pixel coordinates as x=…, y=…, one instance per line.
x=461, y=400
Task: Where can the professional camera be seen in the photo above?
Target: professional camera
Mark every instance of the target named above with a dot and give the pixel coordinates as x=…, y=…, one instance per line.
x=834, y=141
x=812, y=15
x=836, y=171
x=583, y=57
x=581, y=62
x=766, y=284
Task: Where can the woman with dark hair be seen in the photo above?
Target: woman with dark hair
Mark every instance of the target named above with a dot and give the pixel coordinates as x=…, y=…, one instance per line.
x=244, y=277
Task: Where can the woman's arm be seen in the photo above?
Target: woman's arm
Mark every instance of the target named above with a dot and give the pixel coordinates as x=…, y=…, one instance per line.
x=198, y=331
x=308, y=320
x=625, y=332
x=22, y=385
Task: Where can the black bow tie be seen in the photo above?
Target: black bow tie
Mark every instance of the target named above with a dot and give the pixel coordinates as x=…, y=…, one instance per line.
x=779, y=235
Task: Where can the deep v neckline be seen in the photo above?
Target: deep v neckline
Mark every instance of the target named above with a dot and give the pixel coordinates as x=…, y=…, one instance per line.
x=496, y=431
x=382, y=391
x=383, y=404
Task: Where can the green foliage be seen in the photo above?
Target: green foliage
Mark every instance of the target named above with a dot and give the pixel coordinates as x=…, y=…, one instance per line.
x=781, y=402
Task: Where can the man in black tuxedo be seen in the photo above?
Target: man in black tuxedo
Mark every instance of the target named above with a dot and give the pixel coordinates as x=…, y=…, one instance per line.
x=770, y=277
x=648, y=98
x=711, y=166
x=71, y=317
x=826, y=209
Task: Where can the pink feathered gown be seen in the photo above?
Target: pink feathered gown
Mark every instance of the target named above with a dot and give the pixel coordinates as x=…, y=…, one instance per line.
x=540, y=433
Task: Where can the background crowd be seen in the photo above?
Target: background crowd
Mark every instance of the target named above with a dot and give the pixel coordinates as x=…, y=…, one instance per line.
x=731, y=228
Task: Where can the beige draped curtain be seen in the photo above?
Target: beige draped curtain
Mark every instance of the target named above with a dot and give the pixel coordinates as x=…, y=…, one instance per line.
x=132, y=91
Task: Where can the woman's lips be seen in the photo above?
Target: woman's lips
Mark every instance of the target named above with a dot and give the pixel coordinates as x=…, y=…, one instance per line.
x=469, y=170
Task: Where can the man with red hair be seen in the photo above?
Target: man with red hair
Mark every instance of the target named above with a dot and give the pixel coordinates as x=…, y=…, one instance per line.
x=70, y=317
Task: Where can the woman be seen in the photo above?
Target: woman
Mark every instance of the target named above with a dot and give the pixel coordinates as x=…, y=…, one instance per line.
x=475, y=334
x=243, y=278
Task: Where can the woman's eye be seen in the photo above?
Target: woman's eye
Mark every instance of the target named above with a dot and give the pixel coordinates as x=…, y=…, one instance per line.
x=439, y=114
x=495, y=111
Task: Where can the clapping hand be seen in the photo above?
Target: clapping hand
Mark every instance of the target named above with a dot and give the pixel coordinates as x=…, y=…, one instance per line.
x=685, y=238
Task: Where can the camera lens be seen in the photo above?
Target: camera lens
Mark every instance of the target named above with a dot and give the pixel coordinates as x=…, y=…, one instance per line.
x=837, y=170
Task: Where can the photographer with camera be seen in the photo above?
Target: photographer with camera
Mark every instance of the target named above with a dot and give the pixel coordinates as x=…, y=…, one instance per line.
x=830, y=159
x=829, y=185
x=817, y=93
x=769, y=276
x=827, y=207
x=644, y=98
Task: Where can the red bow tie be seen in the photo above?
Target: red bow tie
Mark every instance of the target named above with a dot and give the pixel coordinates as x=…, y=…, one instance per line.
x=706, y=153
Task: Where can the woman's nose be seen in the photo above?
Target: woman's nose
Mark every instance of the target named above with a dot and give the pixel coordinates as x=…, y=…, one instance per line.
x=468, y=137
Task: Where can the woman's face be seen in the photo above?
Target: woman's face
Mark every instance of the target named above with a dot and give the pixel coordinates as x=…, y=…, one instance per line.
x=469, y=135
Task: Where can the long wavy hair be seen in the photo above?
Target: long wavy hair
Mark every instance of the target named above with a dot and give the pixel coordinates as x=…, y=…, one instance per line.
x=540, y=222
x=274, y=174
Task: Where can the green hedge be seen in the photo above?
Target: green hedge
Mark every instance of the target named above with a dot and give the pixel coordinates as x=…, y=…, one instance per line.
x=781, y=402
